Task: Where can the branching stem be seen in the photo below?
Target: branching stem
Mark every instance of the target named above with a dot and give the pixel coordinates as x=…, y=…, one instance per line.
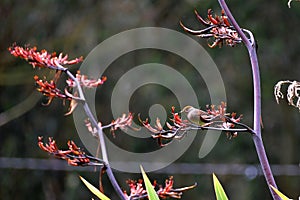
x=99, y=131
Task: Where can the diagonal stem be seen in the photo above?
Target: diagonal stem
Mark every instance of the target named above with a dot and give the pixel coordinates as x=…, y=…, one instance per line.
x=100, y=133
x=257, y=139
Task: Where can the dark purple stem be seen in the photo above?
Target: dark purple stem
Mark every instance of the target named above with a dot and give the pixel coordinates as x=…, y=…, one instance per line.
x=257, y=139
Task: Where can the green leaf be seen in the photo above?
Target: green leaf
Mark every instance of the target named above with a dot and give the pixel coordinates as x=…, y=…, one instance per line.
x=220, y=193
x=94, y=190
x=282, y=196
x=152, y=195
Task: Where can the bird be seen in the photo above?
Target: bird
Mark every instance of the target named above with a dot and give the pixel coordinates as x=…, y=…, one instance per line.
x=197, y=116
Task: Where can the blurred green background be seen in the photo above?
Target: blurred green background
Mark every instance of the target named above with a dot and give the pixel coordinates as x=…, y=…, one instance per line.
x=76, y=27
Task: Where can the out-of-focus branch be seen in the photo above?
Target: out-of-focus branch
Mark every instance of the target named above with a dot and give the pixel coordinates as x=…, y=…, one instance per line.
x=19, y=109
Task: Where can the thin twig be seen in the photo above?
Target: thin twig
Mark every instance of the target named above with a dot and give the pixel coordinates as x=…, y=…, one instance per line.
x=241, y=124
x=221, y=129
x=19, y=109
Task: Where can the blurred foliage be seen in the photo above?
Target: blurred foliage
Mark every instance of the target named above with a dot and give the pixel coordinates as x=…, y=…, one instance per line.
x=219, y=190
x=152, y=195
x=76, y=27
x=94, y=190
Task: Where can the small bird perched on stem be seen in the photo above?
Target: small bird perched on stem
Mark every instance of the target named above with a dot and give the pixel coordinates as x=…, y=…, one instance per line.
x=197, y=116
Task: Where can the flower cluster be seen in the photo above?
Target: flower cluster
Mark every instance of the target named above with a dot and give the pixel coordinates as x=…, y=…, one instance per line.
x=74, y=155
x=214, y=118
x=51, y=61
x=49, y=89
x=123, y=122
x=137, y=190
x=85, y=81
x=228, y=120
x=42, y=58
x=293, y=92
x=218, y=28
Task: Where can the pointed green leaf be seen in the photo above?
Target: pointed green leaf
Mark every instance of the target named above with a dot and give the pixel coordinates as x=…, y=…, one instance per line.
x=282, y=196
x=94, y=190
x=219, y=191
x=152, y=195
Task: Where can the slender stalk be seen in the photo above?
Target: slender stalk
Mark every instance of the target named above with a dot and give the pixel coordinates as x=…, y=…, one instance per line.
x=100, y=134
x=104, y=152
x=108, y=168
x=257, y=139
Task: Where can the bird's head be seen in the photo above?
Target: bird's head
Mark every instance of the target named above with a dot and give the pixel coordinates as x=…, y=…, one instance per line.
x=187, y=109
